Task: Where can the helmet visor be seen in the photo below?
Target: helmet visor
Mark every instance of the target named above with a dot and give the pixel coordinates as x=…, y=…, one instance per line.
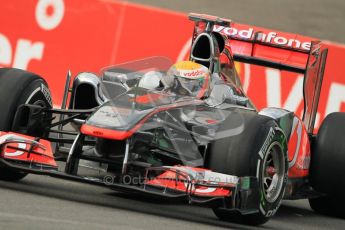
x=193, y=86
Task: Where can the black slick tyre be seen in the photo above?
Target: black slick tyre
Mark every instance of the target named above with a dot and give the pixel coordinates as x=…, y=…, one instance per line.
x=260, y=151
x=327, y=168
x=19, y=87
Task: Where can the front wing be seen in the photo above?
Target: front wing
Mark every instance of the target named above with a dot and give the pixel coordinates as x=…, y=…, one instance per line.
x=194, y=185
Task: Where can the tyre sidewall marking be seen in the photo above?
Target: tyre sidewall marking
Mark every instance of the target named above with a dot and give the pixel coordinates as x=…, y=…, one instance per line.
x=43, y=89
x=274, y=134
x=46, y=93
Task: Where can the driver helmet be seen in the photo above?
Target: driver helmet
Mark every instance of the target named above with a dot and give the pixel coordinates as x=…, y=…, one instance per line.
x=188, y=78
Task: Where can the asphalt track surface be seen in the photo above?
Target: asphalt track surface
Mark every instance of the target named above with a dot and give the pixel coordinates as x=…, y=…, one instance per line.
x=41, y=202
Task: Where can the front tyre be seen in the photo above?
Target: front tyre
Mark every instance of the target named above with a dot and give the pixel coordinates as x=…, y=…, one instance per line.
x=272, y=181
x=262, y=153
x=19, y=87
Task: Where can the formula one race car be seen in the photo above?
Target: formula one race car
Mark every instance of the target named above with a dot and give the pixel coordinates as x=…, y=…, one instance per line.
x=185, y=132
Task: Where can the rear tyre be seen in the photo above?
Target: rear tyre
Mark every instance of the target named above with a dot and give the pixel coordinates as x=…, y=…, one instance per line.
x=259, y=151
x=328, y=205
x=19, y=87
x=327, y=166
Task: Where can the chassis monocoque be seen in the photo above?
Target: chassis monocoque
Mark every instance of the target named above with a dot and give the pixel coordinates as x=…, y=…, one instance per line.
x=217, y=151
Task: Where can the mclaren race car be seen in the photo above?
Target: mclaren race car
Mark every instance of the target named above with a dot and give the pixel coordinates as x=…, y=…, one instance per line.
x=131, y=128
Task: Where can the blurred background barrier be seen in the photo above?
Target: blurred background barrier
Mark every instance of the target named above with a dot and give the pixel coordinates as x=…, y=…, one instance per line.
x=50, y=37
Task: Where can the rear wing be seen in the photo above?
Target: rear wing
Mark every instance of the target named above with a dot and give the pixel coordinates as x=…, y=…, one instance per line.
x=283, y=51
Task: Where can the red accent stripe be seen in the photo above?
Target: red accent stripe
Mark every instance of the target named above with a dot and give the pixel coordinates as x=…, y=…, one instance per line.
x=105, y=133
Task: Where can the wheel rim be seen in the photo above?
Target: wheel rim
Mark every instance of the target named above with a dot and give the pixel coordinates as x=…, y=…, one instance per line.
x=273, y=172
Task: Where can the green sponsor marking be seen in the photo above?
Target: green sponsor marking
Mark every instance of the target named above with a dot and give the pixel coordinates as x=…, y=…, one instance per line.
x=245, y=183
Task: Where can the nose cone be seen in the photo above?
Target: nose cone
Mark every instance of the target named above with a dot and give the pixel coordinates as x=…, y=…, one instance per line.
x=111, y=116
x=116, y=117
x=113, y=122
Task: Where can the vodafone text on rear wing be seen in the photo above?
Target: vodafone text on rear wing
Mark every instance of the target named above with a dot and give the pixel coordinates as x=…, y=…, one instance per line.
x=283, y=51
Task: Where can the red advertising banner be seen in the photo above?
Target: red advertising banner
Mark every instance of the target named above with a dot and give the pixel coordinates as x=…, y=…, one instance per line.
x=50, y=37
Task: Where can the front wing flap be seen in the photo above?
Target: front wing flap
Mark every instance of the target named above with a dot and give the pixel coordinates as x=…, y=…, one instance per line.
x=205, y=186
x=19, y=149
